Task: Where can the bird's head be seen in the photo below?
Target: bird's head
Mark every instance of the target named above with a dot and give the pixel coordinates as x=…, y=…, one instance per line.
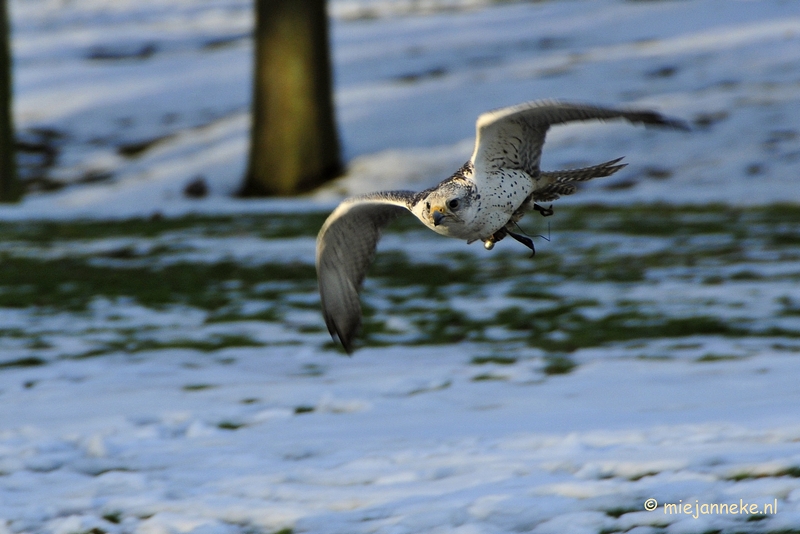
x=448, y=208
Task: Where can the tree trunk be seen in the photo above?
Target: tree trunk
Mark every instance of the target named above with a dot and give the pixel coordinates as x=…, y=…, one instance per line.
x=294, y=145
x=10, y=189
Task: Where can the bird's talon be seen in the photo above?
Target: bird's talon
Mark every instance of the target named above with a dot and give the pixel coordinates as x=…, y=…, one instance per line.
x=546, y=212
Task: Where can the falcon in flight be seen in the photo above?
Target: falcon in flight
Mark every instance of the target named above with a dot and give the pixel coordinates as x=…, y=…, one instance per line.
x=483, y=200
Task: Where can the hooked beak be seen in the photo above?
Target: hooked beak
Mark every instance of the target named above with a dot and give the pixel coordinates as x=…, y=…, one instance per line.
x=438, y=216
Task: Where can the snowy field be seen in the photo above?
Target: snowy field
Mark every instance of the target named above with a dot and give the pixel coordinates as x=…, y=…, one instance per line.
x=164, y=367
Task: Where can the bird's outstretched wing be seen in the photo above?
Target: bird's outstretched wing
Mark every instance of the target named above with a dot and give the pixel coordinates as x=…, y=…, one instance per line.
x=558, y=183
x=512, y=137
x=345, y=248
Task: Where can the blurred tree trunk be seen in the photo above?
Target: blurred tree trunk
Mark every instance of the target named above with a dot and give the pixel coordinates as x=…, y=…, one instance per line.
x=10, y=189
x=294, y=145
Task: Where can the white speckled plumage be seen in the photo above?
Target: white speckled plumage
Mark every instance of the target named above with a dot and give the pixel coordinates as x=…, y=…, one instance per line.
x=482, y=201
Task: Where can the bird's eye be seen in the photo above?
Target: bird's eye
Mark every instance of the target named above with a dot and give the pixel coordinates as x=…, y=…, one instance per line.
x=428, y=205
x=453, y=204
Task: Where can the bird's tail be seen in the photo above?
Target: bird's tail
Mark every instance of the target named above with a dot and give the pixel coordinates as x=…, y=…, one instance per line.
x=558, y=183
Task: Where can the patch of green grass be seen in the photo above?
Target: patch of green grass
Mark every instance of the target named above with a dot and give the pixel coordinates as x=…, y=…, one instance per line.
x=624, y=326
x=113, y=517
x=783, y=239
x=775, y=214
x=777, y=332
x=373, y=331
x=273, y=225
x=784, y=347
x=527, y=290
x=792, y=471
x=16, y=333
x=576, y=331
x=446, y=326
x=311, y=329
x=711, y=357
x=396, y=270
x=269, y=315
x=230, y=425
x=726, y=236
x=618, y=512
x=30, y=361
x=621, y=269
x=71, y=283
x=500, y=360
x=429, y=389
x=651, y=219
x=486, y=377
x=203, y=345
x=558, y=365
x=543, y=320
x=130, y=345
x=789, y=307
x=640, y=476
x=197, y=387
x=37, y=343
x=746, y=275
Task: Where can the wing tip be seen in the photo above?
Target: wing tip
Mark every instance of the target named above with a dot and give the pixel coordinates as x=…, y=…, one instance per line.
x=613, y=166
x=657, y=119
x=344, y=339
x=345, y=342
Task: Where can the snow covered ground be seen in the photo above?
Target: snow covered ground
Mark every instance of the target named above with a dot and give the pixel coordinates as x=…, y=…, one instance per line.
x=493, y=393
x=173, y=374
